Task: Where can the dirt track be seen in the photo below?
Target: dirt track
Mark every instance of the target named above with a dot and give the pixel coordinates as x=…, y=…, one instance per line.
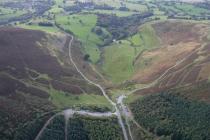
x=117, y=111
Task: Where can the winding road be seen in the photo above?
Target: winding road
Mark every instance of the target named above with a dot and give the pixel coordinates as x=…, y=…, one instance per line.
x=117, y=111
x=45, y=126
x=70, y=112
x=125, y=113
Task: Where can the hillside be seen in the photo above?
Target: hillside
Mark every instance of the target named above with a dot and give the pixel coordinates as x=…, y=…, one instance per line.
x=36, y=80
x=104, y=70
x=170, y=116
x=182, y=58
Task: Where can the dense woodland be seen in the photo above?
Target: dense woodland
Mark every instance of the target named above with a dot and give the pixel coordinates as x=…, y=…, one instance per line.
x=87, y=128
x=55, y=130
x=79, y=6
x=121, y=27
x=173, y=116
x=31, y=129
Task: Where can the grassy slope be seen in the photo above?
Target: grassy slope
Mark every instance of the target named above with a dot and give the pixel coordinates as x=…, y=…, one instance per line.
x=41, y=28
x=146, y=39
x=81, y=26
x=118, y=61
x=62, y=100
x=119, y=58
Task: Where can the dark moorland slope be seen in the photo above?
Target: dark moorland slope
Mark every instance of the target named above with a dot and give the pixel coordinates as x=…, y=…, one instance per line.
x=30, y=67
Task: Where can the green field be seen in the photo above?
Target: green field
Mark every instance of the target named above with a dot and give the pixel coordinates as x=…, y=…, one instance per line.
x=63, y=100
x=81, y=25
x=183, y=9
x=136, y=6
x=6, y=13
x=118, y=61
x=33, y=24
x=41, y=28
x=113, y=3
x=55, y=10
x=191, y=9
x=145, y=38
x=114, y=12
x=118, y=58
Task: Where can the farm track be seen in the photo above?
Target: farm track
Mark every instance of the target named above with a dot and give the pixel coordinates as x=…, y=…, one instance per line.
x=162, y=76
x=68, y=114
x=117, y=111
x=45, y=126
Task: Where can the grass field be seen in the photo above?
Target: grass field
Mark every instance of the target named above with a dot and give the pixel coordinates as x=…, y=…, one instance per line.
x=114, y=12
x=184, y=9
x=118, y=58
x=136, y=6
x=118, y=61
x=34, y=25
x=113, y=3
x=145, y=38
x=55, y=10
x=130, y=5
x=41, y=28
x=63, y=100
x=6, y=13
x=191, y=9
x=81, y=25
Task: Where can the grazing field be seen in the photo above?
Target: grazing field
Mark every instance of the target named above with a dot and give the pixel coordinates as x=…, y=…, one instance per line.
x=146, y=38
x=55, y=10
x=119, y=58
x=114, y=12
x=43, y=23
x=40, y=28
x=117, y=63
x=191, y=9
x=81, y=25
x=183, y=10
x=61, y=99
x=112, y=3
x=136, y=7
x=6, y=13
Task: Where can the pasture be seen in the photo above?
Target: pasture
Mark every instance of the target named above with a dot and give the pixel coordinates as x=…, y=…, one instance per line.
x=81, y=26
